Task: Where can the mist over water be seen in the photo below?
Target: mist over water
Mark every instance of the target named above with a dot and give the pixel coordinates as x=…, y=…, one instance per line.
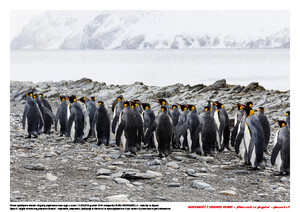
x=269, y=67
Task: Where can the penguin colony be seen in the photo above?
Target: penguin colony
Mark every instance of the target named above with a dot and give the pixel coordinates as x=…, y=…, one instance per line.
x=135, y=126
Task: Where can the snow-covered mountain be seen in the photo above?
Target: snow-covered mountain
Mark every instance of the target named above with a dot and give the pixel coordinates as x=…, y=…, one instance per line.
x=145, y=30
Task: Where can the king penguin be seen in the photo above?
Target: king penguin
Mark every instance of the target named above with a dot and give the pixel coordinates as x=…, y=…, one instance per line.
x=61, y=117
x=89, y=114
x=207, y=132
x=118, y=106
x=182, y=120
x=251, y=139
x=116, y=101
x=288, y=118
x=237, y=120
x=175, y=114
x=281, y=151
x=164, y=131
x=149, y=117
x=139, y=123
x=101, y=124
x=127, y=131
x=222, y=121
x=75, y=126
x=48, y=114
x=32, y=116
x=265, y=124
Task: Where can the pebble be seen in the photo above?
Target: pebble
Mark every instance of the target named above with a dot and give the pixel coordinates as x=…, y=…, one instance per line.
x=112, y=167
x=228, y=192
x=117, y=163
x=83, y=168
x=121, y=180
x=200, y=185
x=285, y=179
x=153, y=173
x=190, y=171
x=155, y=162
x=172, y=165
x=37, y=166
x=117, y=174
x=203, y=170
x=50, y=177
x=118, y=198
x=94, y=199
x=173, y=185
x=103, y=172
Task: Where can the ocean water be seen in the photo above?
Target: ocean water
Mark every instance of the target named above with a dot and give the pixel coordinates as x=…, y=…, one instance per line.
x=269, y=67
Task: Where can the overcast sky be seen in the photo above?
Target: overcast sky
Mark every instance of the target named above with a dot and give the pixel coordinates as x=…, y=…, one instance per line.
x=233, y=21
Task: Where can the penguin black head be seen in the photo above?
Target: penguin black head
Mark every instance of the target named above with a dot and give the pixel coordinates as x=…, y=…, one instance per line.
x=72, y=98
x=281, y=123
x=218, y=104
x=126, y=103
x=261, y=108
x=145, y=106
x=207, y=108
x=30, y=93
x=191, y=107
x=82, y=99
x=41, y=95
x=162, y=102
x=62, y=98
x=132, y=104
x=136, y=102
x=287, y=113
x=93, y=99
x=174, y=106
x=239, y=106
x=163, y=108
x=34, y=95
x=183, y=107
x=249, y=104
x=248, y=110
x=100, y=103
x=120, y=98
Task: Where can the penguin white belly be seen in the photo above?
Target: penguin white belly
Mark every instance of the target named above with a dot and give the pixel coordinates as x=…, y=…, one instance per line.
x=200, y=143
x=247, y=137
x=235, y=119
x=58, y=125
x=95, y=130
x=278, y=162
x=275, y=139
x=73, y=131
x=87, y=126
x=217, y=120
x=253, y=158
x=189, y=140
x=26, y=126
x=242, y=149
x=181, y=141
x=155, y=141
x=124, y=141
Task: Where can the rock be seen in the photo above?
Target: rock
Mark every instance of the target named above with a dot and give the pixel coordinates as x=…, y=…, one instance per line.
x=112, y=167
x=103, y=172
x=219, y=84
x=137, y=183
x=284, y=179
x=83, y=168
x=173, y=185
x=118, y=198
x=190, y=171
x=203, y=170
x=172, y=165
x=229, y=192
x=117, y=174
x=121, y=180
x=37, y=166
x=207, y=159
x=50, y=177
x=153, y=173
x=94, y=199
x=200, y=185
x=117, y=163
x=252, y=87
x=155, y=162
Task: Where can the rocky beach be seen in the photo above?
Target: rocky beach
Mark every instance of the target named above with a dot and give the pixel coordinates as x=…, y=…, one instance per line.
x=51, y=168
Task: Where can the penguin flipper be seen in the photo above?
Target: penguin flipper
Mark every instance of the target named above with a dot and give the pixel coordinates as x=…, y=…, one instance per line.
x=150, y=130
x=275, y=151
x=239, y=137
x=70, y=122
x=176, y=140
x=181, y=129
x=114, y=124
x=24, y=115
x=56, y=118
x=119, y=133
x=48, y=112
x=234, y=133
x=87, y=125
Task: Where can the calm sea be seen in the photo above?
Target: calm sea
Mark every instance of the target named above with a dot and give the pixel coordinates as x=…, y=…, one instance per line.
x=269, y=67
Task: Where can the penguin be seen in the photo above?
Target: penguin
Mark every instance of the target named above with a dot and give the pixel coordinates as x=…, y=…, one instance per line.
x=210, y=103
x=237, y=120
x=162, y=102
x=149, y=118
x=118, y=107
x=222, y=121
x=75, y=126
x=190, y=126
x=251, y=139
x=115, y=102
x=138, y=106
x=93, y=99
x=281, y=151
x=249, y=104
x=32, y=116
x=139, y=123
x=164, y=131
x=175, y=114
x=182, y=120
x=48, y=114
x=41, y=107
x=101, y=124
x=288, y=118
x=265, y=124
x=89, y=114
x=61, y=117
x=207, y=132
x=127, y=131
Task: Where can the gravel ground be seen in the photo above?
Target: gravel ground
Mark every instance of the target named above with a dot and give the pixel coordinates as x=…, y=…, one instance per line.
x=51, y=168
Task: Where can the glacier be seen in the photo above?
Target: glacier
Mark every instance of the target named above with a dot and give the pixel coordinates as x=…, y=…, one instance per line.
x=143, y=30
